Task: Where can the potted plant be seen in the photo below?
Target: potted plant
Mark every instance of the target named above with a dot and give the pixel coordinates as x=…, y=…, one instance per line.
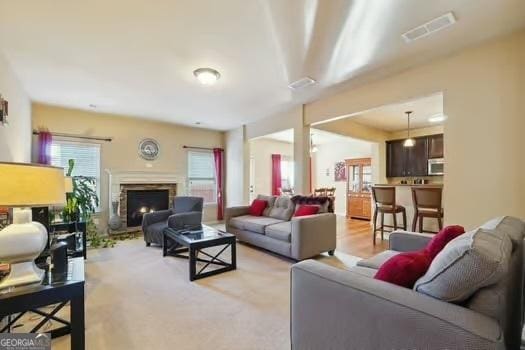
x=81, y=204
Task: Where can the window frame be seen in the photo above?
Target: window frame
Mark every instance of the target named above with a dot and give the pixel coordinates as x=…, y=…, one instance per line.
x=98, y=178
x=190, y=178
x=288, y=162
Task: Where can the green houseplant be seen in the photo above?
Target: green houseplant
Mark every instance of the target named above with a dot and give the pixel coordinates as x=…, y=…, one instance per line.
x=81, y=204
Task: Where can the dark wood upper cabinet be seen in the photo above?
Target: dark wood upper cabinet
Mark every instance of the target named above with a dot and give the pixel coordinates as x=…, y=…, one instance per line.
x=404, y=161
x=417, y=161
x=396, y=158
x=435, y=146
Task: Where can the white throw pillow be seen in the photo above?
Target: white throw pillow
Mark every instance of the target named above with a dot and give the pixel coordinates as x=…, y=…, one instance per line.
x=469, y=262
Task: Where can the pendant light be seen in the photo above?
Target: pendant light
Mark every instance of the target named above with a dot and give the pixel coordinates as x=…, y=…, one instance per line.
x=409, y=142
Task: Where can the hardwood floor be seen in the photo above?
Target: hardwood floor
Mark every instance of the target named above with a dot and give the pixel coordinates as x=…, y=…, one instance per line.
x=354, y=237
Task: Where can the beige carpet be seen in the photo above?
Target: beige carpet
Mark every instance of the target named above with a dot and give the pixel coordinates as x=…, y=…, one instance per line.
x=138, y=300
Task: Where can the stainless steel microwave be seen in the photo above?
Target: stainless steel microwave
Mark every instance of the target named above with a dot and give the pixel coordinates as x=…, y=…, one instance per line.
x=436, y=166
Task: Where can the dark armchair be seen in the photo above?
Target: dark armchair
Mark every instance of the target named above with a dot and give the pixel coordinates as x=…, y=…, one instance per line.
x=186, y=211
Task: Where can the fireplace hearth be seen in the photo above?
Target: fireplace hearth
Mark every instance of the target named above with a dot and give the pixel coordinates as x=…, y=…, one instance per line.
x=140, y=202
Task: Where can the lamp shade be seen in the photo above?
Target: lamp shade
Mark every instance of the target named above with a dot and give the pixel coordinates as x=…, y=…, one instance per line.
x=68, y=184
x=31, y=185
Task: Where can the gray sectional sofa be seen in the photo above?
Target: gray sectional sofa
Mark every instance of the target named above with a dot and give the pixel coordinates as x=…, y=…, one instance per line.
x=349, y=309
x=278, y=231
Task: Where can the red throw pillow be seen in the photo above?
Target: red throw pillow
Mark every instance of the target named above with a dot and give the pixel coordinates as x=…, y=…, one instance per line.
x=257, y=207
x=304, y=210
x=440, y=240
x=404, y=269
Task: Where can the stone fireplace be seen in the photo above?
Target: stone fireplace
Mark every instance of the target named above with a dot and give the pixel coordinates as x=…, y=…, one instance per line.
x=148, y=189
x=138, y=199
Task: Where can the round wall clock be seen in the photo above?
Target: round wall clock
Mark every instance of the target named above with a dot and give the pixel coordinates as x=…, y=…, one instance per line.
x=149, y=149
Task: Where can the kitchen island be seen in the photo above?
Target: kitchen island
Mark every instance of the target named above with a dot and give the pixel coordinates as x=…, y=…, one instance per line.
x=404, y=198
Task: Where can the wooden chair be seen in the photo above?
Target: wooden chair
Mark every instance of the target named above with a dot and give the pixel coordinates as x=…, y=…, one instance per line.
x=385, y=203
x=330, y=192
x=320, y=192
x=427, y=204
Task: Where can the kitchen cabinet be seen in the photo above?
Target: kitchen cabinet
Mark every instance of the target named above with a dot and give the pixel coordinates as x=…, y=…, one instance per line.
x=435, y=146
x=396, y=159
x=359, y=188
x=404, y=161
x=417, y=160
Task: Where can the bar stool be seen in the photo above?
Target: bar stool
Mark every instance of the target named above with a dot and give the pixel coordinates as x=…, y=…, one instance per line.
x=385, y=203
x=427, y=204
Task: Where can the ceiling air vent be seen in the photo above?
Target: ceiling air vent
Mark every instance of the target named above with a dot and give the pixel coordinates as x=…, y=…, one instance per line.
x=302, y=83
x=430, y=27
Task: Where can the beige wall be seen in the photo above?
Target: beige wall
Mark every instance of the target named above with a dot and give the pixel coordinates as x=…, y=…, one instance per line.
x=15, y=137
x=237, y=167
x=121, y=154
x=483, y=90
x=261, y=151
x=289, y=119
x=432, y=130
x=323, y=165
x=347, y=127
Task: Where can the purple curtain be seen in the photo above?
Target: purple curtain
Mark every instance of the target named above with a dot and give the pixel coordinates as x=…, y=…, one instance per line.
x=44, y=147
x=276, y=174
x=218, y=154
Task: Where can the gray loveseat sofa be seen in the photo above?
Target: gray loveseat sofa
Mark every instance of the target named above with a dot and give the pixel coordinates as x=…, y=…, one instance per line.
x=278, y=231
x=339, y=309
x=186, y=211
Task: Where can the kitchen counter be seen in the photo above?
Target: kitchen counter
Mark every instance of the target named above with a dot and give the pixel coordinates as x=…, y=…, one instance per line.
x=404, y=198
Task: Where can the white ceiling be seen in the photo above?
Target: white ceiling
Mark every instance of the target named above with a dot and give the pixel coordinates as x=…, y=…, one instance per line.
x=136, y=57
x=319, y=137
x=393, y=118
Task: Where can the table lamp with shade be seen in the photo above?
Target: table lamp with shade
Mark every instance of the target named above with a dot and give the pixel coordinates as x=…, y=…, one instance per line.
x=24, y=186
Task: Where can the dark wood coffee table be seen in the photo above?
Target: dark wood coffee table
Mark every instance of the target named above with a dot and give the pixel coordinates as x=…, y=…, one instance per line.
x=194, y=241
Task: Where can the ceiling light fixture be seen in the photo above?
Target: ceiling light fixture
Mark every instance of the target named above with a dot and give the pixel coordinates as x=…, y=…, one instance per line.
x=437, y=118
x=206, y=76
x=301, y=83
x=409, y=142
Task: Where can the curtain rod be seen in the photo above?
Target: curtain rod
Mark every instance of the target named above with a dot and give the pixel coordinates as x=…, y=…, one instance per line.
x=97, y=138
x=203, y=148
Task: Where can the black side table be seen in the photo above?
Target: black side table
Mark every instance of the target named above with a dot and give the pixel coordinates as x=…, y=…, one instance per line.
x=53, y=289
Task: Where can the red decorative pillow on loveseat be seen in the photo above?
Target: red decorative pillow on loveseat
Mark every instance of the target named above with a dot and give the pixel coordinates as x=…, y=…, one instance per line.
x=257, y=207
x=304, y=210
x=440, y=240
x=404, y=269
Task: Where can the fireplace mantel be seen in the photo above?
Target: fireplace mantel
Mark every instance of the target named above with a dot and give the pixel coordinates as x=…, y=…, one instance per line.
x=116, y=178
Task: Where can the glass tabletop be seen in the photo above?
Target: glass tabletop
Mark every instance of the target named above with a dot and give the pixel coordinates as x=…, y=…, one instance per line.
x=196, y=233
x=74, y=274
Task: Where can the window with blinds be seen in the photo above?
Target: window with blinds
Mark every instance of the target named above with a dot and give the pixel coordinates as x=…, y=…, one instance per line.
x=287, y=173
x=201, y=176
x=86, y=156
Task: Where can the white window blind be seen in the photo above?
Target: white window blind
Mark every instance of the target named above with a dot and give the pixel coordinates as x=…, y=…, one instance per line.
x=86, y=156
x=201, y=176
x=287, y=173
